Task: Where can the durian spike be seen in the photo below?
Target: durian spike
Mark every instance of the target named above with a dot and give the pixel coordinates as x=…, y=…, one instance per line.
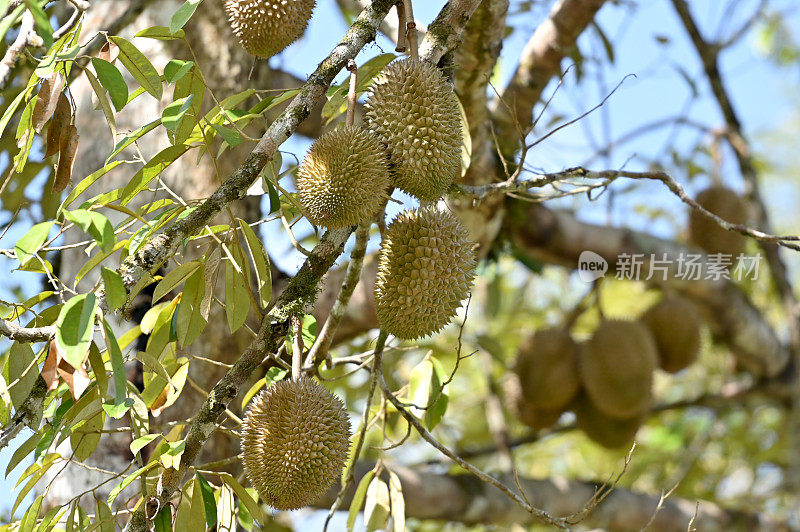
x=411, y=31
x=297, y=351
x=352, y=97
x=402, y=42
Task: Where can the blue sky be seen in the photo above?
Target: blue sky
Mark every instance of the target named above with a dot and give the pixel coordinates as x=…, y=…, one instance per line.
x=764, y=95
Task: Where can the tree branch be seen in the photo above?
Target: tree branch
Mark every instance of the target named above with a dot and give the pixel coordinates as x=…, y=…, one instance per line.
x=540, y=62
x=466, y=499
x=26, y=334
x=27, y=35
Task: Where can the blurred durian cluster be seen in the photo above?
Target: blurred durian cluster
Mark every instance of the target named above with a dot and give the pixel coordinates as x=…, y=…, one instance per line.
x=605, y=381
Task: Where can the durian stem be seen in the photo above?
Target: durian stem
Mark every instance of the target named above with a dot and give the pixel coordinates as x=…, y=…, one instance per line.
x=402, y=42
x=297, y=348
x=350, y=467
x=352, y=97
x=411, y=31
x=319, y=351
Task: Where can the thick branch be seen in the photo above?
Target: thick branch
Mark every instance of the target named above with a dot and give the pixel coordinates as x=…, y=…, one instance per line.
x=552, y=236
x=27, y=35
x=14, y=332
x=540, y=62
x=465, y=499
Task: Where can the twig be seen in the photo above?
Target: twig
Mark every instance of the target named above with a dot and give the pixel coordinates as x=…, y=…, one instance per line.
x=27, y=35
x=427, y=436
x=319, y=350
x=540, y=180
x=376, y=365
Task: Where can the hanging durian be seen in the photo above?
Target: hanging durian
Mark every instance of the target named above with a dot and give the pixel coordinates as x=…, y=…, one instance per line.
x=425, y=270
x=708, y=234
x=295, y=441
x=415, y=112
x=675, y=325
x=344, y=178
x=266, y=27
x=616, y=367
x=547, y=366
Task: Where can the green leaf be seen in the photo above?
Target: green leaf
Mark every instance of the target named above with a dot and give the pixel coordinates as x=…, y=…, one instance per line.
x=12, y=108
x=75, y=326
x=27, y=246
x=96, y=225
x=127, y=480
x=189, y=318
x=163, y=519
x=261, y=261
x=111, y=78
x=139, y=443
x=190, y=84
x=154, y=167
x=171, y=453
x=129, y=139
x=398, y=503
x=22, y=451
x=31, y=515
x=237, y=296
x=43, y=27
x=425, y=390
x=358, y=499
x=115, y=288
x=183, y=14
x=209, y=503
x=173, y=113
x=161, y=33
x=121, y=401
x=229, y=135
x=251, y=504
x=174, y=278
x=198, y=519
x=376, y=505
x=139, y=66
x=176, y=69
x=103, y=517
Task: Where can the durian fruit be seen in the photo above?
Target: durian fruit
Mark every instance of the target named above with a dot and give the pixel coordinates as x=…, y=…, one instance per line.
x=608, y=432
x=528, y=413
x=706, y=233
x=426, y=267
x=415, y=112
x=266, y=27
x=344, y=178
x=547, y=366
x=616, y=368
x=295, y=440
x=675, y=325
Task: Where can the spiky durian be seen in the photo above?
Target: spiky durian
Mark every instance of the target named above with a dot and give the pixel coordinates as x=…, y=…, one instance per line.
x=707, y=233
x=266, y=27
x=675, y=325
x=415, y=112
x=616, y=368
x=608, y=432
x=344, y=178
x=547, y=366
x=295, y=441
x=425, y=269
